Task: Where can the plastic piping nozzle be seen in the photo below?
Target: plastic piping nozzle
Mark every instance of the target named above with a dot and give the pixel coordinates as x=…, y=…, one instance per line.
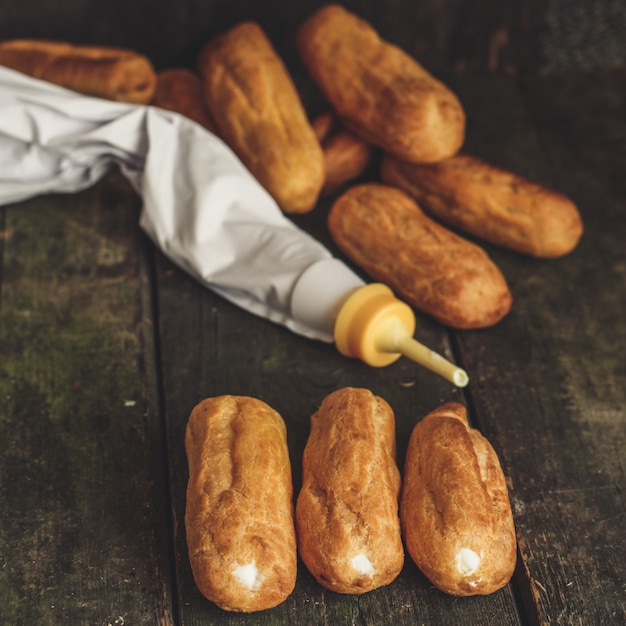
x=376, y=327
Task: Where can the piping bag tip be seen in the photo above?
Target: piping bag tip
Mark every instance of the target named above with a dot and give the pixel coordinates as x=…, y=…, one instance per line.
x=376, y=327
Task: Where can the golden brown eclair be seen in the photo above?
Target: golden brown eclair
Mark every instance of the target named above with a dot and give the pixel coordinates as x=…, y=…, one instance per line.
x=347, y=519
x=104, y=72
x=346, y=155
x=491, y=203
x=179, y=89
x=383, y=231
x=455, y=510
x=239, y=513
x=259, y=114
x=378, y=90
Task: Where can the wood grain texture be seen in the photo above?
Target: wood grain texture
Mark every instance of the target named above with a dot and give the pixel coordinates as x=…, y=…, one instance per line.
x=78, y=524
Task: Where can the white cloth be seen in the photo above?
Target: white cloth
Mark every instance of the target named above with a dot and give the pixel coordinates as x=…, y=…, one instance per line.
x=201, y=206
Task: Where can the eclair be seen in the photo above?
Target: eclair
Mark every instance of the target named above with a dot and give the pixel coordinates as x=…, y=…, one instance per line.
x=179, y=89
x=455, y=510
x=104, y=72
x=239, y=511
x=491, y=203
x=346, y=155
x=347, y=510
x=260, y=115
x=379, y=91
x=383, y=231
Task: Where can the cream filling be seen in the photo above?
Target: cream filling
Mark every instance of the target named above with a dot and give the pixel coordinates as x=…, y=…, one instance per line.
x=248, y=576
x=362, y=564
x=467, y=561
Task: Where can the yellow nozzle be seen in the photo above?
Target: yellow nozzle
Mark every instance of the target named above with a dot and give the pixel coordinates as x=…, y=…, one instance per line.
x=376, y=327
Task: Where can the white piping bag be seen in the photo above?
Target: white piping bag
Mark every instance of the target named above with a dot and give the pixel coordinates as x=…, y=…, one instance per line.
x=204, y=210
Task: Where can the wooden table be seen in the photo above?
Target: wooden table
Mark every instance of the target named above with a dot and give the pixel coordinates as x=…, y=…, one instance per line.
x=105, y=347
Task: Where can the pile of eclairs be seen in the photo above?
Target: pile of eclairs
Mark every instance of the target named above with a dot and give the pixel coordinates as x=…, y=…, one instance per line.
x=355, y=514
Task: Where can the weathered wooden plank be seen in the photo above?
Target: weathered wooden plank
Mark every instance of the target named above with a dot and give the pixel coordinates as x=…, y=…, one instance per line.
x=77, y=495
x=550, y=380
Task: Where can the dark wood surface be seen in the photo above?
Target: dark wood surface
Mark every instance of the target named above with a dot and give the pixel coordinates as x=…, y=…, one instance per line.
x=105, y=347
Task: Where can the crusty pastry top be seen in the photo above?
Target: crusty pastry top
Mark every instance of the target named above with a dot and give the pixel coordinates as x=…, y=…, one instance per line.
x=106, y=72
x=260, y=115
x=455, y=508
x=386, y=233
x=491, y=203
x=378, y=90
x=239, y=515
x=347, y=510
